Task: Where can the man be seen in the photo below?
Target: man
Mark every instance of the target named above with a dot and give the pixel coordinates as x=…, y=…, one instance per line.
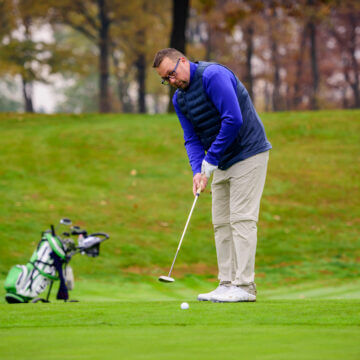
x=224, y=136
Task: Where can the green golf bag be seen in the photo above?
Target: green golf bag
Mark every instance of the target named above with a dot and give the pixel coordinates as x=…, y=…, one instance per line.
x=26, y=282
x=49, y=263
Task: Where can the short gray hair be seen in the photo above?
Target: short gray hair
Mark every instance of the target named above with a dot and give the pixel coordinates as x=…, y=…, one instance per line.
x=170, y=53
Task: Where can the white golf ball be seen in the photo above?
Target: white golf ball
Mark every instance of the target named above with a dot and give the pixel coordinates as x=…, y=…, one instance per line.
x=184, y=305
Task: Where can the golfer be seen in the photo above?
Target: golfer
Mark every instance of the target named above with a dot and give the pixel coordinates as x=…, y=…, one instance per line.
x=224, y=137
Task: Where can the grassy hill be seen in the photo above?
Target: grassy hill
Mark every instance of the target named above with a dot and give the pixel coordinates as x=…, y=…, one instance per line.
x=128, y=175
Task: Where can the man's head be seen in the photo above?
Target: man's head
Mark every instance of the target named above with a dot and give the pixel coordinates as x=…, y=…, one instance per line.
x=173, y=67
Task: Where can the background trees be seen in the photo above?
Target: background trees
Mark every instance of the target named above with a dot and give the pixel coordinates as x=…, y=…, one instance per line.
x=98, y=53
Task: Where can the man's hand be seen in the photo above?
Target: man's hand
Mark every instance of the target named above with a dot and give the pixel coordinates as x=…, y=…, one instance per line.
x=207, y=169
x=197, y=180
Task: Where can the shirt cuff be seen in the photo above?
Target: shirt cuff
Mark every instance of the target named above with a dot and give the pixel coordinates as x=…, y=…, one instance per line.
x=211, y=159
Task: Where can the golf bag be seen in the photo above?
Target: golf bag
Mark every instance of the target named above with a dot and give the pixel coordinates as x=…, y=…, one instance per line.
x=49, y=263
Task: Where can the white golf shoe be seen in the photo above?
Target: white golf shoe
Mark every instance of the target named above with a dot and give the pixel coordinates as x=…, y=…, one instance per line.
x=234, y=294
x=220, y=290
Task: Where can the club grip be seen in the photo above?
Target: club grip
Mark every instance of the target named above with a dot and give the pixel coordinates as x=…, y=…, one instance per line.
x=198, y=191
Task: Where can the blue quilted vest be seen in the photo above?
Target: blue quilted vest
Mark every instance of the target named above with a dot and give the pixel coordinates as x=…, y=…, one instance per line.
x=205, y=118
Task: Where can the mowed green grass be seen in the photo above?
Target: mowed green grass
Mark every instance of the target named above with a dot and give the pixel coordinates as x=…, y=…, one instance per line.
x=128, y=176
x=313, y=329
x=127, y=320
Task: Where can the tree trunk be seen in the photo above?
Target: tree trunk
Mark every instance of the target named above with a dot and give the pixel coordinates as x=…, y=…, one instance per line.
x=104, y=101
x=314, y=105
x=276, y=97
x=249, y=79
x=180, y=15
x=27, y=85
x=27, y=94
x=314, y=66
x=141, y=75
x=273, y=33
x=267, y=97
x=299, y=68
x=354, y=65
x=345, y=103
x=349, y=62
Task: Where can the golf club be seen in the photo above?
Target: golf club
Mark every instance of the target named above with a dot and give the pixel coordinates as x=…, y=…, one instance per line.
x=63, y=222
x=169, y=279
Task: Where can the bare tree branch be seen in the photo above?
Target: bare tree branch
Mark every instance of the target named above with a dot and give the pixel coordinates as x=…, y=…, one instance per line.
x=81, y=29
x=84, y=12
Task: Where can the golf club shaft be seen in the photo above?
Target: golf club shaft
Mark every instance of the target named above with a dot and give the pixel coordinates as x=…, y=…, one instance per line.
x=183, y=234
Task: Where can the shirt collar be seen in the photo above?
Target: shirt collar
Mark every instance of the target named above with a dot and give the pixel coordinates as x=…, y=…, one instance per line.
x=193, y=68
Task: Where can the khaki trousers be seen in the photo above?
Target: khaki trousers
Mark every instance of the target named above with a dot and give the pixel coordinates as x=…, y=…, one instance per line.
x=236, y=194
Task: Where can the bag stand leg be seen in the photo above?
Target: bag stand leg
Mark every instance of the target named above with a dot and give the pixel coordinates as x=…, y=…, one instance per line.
x=48, y=294
x=47, y=297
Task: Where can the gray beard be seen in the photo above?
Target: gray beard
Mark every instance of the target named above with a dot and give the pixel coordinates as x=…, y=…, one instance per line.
x=184, y=85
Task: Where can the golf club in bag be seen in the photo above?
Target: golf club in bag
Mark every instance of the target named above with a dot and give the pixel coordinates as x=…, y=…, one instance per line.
x=49, y=263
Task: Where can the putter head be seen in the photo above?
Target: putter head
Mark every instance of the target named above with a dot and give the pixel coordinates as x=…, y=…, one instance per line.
x=166, y=279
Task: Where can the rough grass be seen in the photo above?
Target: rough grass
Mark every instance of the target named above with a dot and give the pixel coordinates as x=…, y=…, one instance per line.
x=128, y=175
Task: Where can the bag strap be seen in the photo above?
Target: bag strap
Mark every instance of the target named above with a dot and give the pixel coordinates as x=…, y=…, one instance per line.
x=56, y=245
x=63, y=290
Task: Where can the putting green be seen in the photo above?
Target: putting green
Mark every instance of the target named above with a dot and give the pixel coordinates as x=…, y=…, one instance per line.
x=269, y=329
